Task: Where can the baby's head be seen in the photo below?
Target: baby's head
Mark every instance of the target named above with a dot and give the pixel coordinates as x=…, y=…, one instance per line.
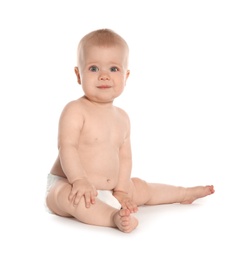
x=102, y=65
x=100, y=38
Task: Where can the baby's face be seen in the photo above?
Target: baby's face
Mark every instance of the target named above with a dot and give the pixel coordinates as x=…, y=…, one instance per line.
x=103, y=72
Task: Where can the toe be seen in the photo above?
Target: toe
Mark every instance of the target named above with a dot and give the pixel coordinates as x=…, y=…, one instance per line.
x=124, y=213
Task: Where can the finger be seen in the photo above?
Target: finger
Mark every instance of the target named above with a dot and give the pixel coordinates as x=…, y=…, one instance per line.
x=87, y=199
x=77, y=198
x=93, y=198
x=132, y=206
x=72, y=195
x=124, y=206
x=129, y=206
x=135, y=208
x=95, y=193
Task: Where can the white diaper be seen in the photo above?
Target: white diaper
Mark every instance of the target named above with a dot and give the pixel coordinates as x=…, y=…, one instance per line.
x=104, y=195
x=107, y=197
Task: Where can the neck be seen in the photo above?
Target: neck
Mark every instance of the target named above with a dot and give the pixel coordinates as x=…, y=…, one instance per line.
x=104, y=104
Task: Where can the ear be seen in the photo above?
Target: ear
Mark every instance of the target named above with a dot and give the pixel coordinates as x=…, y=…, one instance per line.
x=127, y=75
x=77, y=75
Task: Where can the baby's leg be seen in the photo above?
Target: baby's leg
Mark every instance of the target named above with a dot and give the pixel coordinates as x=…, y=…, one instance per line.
x=155, y=194
x=99, y=214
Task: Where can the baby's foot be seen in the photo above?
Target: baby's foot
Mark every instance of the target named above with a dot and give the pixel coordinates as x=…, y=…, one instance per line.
x=197, y=192
x=125, y=221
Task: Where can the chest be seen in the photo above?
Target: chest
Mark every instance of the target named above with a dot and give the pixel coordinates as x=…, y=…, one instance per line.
x=104, y=128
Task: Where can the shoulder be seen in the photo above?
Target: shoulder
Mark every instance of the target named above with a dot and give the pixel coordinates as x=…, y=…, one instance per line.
x=123, y=114
x=73, y=112
x=74, y=107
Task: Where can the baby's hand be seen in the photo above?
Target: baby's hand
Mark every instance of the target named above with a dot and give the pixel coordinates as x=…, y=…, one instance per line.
x=125, y=201
x=82, y=187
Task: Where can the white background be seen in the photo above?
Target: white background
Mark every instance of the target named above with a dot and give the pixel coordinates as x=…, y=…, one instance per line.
x=184, y=101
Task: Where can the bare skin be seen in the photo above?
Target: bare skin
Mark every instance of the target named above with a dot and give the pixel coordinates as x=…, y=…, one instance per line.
x=95, y=149
x=143, y=194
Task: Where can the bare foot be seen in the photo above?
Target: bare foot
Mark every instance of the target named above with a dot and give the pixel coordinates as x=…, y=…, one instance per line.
x=125, y=221
x=198, y=192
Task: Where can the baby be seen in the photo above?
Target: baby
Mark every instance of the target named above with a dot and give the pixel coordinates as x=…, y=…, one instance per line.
x=91, y=177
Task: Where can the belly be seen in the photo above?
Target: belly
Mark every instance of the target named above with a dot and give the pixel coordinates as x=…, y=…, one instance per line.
x=102, y=167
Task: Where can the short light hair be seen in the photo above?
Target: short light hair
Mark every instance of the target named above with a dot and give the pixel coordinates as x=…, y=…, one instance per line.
x=103, y=38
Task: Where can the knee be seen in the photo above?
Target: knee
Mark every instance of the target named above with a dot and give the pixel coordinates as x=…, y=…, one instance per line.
x=141, y=191
x=139, y=183
x=62, y=194
x=58, y=198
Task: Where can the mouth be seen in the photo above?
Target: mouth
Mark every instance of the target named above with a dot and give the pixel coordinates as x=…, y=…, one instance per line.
x=104, y=87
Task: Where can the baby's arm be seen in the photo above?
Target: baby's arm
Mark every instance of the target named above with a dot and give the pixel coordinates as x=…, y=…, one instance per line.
x=70, y=126
x=125, y=166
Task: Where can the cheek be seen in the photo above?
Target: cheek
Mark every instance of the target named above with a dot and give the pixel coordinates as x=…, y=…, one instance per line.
x=86, y=80
x=120, y=83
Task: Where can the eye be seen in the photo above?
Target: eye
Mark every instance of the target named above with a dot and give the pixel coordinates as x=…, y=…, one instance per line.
x=93, y=68
x=114, y=69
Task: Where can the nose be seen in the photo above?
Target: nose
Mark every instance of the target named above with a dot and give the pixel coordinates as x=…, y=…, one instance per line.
x=104, y=76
